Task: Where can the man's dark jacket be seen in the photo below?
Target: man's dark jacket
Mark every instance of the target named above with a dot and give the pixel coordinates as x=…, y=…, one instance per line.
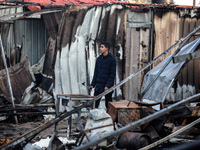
x=104, y=73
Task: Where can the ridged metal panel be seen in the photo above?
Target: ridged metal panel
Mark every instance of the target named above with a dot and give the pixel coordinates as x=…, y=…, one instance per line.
x=158, y=91
x=32, y=35
x=78, y=46
x=137, y=55
x=6, y=12
x=139, y=19
x=52, y=22
x=170, y=26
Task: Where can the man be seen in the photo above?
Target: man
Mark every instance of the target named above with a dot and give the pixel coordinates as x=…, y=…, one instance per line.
x=104, y=73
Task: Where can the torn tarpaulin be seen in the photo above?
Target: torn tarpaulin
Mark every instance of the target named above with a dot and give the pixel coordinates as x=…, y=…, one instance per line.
x=20, y=76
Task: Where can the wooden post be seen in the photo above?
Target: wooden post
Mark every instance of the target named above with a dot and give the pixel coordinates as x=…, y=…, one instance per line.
x=8, y=78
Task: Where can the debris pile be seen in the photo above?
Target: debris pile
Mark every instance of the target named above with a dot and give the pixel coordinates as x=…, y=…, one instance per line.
x=127, y=124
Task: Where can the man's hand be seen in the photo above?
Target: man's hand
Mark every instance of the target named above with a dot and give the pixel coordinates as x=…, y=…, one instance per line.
x=106, y=88
x=90, y=88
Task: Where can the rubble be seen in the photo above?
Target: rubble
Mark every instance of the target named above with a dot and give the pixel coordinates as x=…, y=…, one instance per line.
x=127, y=124
x=130, y=124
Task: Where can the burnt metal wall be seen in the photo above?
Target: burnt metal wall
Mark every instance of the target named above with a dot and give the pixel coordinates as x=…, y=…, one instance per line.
x=52, y=22
x=24, y=38
x=164, y=26
x=82, y=31
x=137, y=54
x=145, y=34
x=170, y=26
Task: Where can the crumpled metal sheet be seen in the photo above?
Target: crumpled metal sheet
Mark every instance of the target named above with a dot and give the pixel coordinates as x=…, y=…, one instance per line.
x=158, y=91
x=20, y=76
x=97, y=133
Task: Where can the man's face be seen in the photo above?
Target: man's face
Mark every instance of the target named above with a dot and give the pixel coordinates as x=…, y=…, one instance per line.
x=103, y=49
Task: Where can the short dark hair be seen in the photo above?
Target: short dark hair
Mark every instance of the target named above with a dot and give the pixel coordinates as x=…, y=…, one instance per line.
x=106, y=44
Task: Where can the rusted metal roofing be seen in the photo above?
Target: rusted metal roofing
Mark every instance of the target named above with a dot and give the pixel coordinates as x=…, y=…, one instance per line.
x=35, y=5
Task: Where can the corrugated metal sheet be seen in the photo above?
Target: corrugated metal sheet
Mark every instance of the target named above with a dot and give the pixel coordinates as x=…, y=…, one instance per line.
x=7, y=12
x=169, y=27
x=158, y=91
x=137, y=55
x=52, y=22
x=139, y=19
x=137, y=49
x=35, y=5
x=78, y=47
x=24, y=38
x=32, y=35
x=79, y=31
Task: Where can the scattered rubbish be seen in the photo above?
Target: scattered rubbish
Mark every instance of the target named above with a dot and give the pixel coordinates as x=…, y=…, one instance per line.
x=127, y=124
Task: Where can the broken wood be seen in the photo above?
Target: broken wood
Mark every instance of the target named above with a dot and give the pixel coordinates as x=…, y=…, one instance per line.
x=139, y=122
x=8, y=78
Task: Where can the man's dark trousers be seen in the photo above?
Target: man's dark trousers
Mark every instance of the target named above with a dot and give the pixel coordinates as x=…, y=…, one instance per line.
x=108, y=98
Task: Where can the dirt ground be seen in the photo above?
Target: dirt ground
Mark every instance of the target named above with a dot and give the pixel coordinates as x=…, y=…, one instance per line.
x=11, y=131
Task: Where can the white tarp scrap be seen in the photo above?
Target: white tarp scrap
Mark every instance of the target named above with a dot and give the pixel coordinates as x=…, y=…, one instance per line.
x=158, y=91
x=98, y=118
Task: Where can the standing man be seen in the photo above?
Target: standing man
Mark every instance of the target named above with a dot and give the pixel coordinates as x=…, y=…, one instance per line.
x=104, y=73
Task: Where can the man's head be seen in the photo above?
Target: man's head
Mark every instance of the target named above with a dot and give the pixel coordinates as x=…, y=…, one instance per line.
x=105, y=46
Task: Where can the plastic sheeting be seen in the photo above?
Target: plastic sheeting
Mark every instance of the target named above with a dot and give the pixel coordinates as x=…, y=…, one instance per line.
x=158, y=91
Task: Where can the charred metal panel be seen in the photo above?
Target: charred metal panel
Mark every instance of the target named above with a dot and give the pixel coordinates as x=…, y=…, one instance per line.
x=139, y=25
x=165, y=23
x=119, y=46
x=6, y=12
x=52, y=22
x=170, y=26
x=81, y=32
x=49, y=57
x=132, y=63
x=7, y=40
x=160, y=88
x=20, y=77
x=139, y=19
x=137, y=55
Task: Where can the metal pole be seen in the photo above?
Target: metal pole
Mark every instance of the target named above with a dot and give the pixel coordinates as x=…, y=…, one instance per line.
x=138, y=122
x=8, y=78
x=171, y=135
